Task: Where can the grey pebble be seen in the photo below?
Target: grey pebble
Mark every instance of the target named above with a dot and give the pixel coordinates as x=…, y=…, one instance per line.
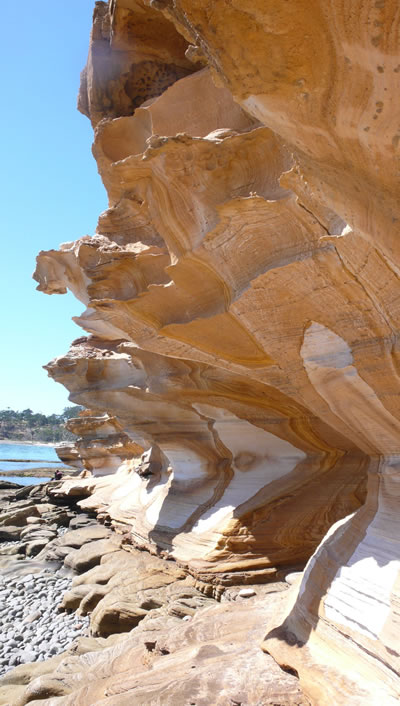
x=27, y=656
x=32, y=628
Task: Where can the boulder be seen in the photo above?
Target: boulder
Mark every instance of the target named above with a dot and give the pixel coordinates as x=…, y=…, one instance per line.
x=34, y=547
x=89, y=533
x=10, y=533
x=18, y=517
x=90, y=554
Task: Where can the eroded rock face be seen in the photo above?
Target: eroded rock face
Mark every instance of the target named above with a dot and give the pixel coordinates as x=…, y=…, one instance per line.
x=126, y=67
x=102, y=446
x=195, y=217
x=231, y=450
x=242, y=313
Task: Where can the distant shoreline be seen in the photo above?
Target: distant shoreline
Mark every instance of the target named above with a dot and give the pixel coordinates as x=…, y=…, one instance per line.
x=28, y=443
x=42, y=472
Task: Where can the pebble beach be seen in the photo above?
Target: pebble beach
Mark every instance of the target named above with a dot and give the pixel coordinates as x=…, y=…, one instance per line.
x=33, y=580
x=31, y=626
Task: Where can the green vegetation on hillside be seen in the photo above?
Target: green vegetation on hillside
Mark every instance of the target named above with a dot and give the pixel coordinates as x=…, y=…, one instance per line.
x=28, y=426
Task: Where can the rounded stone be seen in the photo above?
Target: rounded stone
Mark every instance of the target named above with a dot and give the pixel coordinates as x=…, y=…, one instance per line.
x=247, y=593
x=27, y=656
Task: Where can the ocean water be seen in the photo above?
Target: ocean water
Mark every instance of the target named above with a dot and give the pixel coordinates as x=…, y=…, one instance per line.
x=16, y=457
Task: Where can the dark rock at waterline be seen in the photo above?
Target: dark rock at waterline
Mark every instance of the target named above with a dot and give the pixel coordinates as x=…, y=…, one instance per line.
x=7, y=496
x=6, y=484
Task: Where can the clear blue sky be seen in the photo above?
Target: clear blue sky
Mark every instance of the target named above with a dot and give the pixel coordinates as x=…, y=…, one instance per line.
x=49, y=186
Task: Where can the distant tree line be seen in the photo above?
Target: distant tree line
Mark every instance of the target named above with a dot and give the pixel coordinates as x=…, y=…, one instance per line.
x=31, y=426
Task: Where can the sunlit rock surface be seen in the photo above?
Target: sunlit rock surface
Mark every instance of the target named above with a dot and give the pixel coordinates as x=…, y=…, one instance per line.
x=101, y=447
x=220, y=496
x=242, y=297
x=211, y=657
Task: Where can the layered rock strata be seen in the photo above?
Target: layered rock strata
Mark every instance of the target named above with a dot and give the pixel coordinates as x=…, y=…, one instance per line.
x=220, y=496
x=242, y=308
x=156, y=638
x=338, y=114
x=196, y=218
x=101, y=447
x=213, y=657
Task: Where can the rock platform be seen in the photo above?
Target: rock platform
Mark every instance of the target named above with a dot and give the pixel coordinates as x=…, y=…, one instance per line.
x=78, y=600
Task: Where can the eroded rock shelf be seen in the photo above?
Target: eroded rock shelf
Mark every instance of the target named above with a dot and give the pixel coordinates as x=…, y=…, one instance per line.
x=240, y=364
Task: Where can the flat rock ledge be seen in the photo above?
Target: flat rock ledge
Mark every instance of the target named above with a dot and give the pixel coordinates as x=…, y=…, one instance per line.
x=89, y=619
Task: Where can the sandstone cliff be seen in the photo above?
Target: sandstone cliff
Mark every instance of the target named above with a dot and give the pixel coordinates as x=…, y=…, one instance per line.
x=242, y=313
